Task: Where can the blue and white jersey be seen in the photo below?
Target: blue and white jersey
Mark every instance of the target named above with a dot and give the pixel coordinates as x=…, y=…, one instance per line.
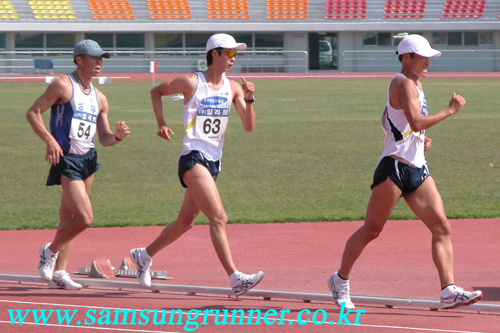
x=73, y=124
x=400, y=139
x=205, y=119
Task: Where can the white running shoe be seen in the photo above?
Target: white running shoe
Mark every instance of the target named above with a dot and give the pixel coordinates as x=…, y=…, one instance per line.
x=46, y=263
x=143, y=266
x=454, y=296
x=245, y=282
x=62, y=280
x=340, y=290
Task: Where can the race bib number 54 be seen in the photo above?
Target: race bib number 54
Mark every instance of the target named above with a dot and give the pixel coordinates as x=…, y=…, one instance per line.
x=83, y=124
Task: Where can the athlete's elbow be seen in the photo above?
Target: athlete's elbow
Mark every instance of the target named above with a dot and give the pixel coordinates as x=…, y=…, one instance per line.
x=155, y=93
x=30, y=115
x=249, y=128
x=249, y=124
x=417, y=127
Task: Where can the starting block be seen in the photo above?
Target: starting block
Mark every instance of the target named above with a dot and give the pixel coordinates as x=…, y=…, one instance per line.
x=102, y=268
x=127, y=263
x=99, y=268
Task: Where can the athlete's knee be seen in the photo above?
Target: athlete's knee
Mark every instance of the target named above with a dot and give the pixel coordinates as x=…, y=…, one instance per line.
x=186, y=225
x=84, y=224
x=441, y=229
x=219, y=220
x=83, y=221
x=371, y=232
x=185, y=220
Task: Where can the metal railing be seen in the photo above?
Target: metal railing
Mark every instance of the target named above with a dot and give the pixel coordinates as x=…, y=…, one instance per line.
x=449, y=61
x=138, y=61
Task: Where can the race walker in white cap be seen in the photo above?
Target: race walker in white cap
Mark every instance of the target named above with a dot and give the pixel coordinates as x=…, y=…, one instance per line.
x=402, y=172
x=208, y=98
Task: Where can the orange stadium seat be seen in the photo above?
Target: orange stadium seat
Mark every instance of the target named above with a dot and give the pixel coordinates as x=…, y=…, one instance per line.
x=341, y=9
x=228, y=10
x=52, y=10
x=287, y=9
x=111, y=9
x=168, y=10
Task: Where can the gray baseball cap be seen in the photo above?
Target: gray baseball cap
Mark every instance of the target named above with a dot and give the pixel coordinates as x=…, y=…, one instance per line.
x=90, y=47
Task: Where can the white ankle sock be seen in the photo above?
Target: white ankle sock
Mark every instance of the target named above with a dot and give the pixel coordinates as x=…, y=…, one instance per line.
x=448, y=290
x=59, y=273
x=233, y=278
x=145, y=255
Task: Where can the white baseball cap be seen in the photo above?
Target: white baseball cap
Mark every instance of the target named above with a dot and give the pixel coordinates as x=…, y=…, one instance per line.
x=417, y=44
x=225, y=41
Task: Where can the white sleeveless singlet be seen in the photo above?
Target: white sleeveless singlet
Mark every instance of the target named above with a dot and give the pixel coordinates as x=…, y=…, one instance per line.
x=205, y=119
x=400, y=140
x=73, y=124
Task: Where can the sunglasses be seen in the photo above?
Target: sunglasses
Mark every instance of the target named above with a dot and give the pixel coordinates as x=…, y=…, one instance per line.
x=230, y=53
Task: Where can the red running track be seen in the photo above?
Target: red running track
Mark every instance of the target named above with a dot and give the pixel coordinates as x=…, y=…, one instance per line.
x=296, y=257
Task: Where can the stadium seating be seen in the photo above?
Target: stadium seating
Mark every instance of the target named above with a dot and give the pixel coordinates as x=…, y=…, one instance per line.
x=228, y=9
x=291, y=9
x=7, y=11
x=341, y=9
x=166, y=10
x=262, y=10
x=111, y=9
x=52, y=10
x=404, y=9
x=463, y=9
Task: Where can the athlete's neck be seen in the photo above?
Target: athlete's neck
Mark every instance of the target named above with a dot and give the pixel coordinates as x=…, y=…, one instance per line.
x=411, y=74
x=214, y=78
x=84, y=82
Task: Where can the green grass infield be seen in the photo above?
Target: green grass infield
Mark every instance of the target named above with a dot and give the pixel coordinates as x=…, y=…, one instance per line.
x=311, y=156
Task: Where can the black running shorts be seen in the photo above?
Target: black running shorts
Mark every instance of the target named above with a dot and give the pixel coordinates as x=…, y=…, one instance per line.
x=77, y=167
x=188, y=161
x=407, y=177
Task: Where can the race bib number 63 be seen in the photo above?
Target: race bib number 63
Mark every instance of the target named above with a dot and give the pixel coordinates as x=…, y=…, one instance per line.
x=211, y=122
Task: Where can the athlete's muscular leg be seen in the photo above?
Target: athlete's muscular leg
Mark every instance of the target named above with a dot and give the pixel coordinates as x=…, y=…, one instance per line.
x=382, y=201
x=427, y=204
x=77, y=201
x=206, y=195
x=185, y=221
x=65, y=214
